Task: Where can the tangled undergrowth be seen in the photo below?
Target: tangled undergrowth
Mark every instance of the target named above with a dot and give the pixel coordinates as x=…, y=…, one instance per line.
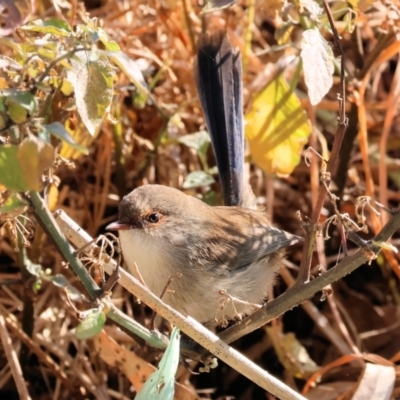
x=153, y=132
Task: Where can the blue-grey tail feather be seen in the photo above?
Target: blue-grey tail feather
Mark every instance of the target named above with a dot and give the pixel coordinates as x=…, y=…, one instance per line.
x=218, y=75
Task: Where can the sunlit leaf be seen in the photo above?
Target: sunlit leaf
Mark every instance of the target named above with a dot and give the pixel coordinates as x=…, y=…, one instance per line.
x=35, y=156
x=110, y=45
x=54, y=26
x=318, y=65
x=132, y=71
x=283, y=33
x=80, y=135
x=63, y=84
x=58, y=130
x=313, y=8
x=91, y=325
x=277, y=128
x=198, y=141
x=17, y=113
x=11, y=175
x=47, y=53
x=93, y=84
x=24, y=98
x=52, y=197
x=161, y=383
x=197, y=179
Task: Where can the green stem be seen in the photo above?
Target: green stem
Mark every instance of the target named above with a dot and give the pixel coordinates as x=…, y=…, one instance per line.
x=49, y=225
x=28, y=308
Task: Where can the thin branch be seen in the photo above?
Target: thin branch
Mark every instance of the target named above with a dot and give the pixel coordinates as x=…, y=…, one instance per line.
x=35, y=348
x=298, y=294
x=188, y=325
x=12, y=360
x=47, y=222
x=49, y=225
x=311, y=229
x=53, y=63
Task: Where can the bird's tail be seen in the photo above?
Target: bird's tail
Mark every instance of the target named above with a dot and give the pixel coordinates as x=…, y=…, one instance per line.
x=218, y=75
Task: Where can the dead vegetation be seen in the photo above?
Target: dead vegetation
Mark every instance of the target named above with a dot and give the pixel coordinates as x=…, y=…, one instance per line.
x=344, y=343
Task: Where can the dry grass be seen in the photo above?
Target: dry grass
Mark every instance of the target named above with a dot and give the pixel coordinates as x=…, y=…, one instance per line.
x=361, y=316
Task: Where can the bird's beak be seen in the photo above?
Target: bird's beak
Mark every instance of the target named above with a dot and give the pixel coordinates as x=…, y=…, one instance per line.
x=118, y=226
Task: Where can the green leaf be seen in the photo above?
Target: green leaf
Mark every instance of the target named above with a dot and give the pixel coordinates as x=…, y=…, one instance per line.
x=34, y=269
x=198, y=141
x=35, y=156
x=61, y=281
x=24, y=99
x=47, y=53
x=17, y=113
x=91, y=325
x=197, y=179
x=57, y=129
x=161, y=383
x=131, y=70
x=13, y=203
x=11, y=175
x=277, y=128
x=110, y=45
x=93, y=84
x=318, y=67
x=63, y=84
x=53, y=26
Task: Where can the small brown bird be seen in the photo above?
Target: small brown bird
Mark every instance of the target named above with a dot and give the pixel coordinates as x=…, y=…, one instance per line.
x=227, y=256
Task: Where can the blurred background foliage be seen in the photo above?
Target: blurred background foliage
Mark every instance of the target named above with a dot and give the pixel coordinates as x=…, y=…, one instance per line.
x=97, y=97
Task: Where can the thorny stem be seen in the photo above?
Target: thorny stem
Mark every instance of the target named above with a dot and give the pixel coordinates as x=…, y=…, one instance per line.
x=49, y=225
x=311, y=229
x=300, y=293
x=53, y=63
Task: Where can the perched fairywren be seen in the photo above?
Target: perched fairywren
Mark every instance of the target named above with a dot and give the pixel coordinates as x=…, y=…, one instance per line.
x=226, y=257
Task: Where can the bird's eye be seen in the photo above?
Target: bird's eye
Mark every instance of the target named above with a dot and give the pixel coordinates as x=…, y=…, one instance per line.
x=155, y=217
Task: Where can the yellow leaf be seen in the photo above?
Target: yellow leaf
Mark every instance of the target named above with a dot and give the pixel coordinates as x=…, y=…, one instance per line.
x=277, y=128
x=35, y=156
x=80, y=135
x=52, y=197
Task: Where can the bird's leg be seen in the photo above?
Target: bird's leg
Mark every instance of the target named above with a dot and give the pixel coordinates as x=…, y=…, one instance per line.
x=169, y=281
